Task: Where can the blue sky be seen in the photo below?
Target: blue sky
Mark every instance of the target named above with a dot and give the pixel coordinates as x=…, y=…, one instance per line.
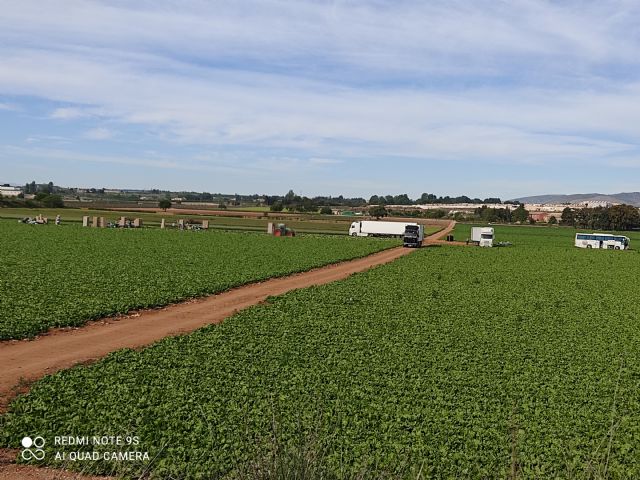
x=483, y=98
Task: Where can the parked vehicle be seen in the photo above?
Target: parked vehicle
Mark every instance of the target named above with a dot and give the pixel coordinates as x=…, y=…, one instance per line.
x=482, y=236
x=602, y=240
x=378, y=229
x=281, y=230
x=413, y=236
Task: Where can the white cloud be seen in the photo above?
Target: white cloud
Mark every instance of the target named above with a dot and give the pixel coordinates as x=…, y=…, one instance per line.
x=52, y=154
x=324, y=161
x=502, y=82
x=99, y=133
x=220, y=108
x=68, y=113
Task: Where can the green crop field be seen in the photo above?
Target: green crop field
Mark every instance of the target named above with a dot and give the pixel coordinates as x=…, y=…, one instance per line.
x=452, y=362
x=62, y=276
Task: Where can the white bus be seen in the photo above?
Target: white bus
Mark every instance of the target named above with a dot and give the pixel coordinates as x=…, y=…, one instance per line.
x=602, y=240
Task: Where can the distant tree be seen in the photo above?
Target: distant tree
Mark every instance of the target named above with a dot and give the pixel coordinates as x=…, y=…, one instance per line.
x=374, y=200
x=326, y=211
x=623, y=217
x=164, y=204
x=222, y=206
x=552, y=220
x=487, y=214
x=520, y=214
x=53, y=201
x=289, y=197
x=378, y=211
x=49, y=187
x=30, y=187
x=40, y=196
x=307, y=205
x=276, y=207
x=426, y=198
x=568, y=217
x=270, y=200
x=438, y=213
x=402, y=199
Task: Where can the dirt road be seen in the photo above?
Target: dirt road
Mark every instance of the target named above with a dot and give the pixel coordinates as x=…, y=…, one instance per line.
x=437, y=237
x=25, y=361
x=12, y=471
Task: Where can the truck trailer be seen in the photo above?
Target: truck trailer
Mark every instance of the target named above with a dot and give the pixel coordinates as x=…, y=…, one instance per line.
x=378, y=229
x=413, y=236
x=482, y=236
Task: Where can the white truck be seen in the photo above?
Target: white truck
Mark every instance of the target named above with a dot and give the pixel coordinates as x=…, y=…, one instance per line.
x=413, y=236
x=482, y=236
x=378, y=229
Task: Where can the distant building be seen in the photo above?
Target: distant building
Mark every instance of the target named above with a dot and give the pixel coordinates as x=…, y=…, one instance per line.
x=451, y=206
x=8, y=191
x=540, y=216
x=593, y=204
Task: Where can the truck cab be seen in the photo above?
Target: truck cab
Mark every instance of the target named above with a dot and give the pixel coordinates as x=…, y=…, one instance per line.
x=413, y=236
x=482, y=236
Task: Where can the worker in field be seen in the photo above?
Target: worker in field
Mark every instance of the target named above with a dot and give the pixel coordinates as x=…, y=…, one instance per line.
x=57, y=219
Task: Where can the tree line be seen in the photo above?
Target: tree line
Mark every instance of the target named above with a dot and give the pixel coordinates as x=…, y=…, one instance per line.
x=617, y=217
x=428, y=199
x=293, y=202
x=483, y=214
x=296, y=203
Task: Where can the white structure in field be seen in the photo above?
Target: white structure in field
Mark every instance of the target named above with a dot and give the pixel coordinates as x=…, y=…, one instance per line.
x=483, y=236
x=8, y=191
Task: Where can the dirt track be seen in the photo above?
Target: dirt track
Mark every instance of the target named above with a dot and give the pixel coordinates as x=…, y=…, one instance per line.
x=437, y=237
x=25, y=361
x=12, y=471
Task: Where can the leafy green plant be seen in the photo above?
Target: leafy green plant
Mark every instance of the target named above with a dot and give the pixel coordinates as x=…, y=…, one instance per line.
x=63, y=276
x=452, y=362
